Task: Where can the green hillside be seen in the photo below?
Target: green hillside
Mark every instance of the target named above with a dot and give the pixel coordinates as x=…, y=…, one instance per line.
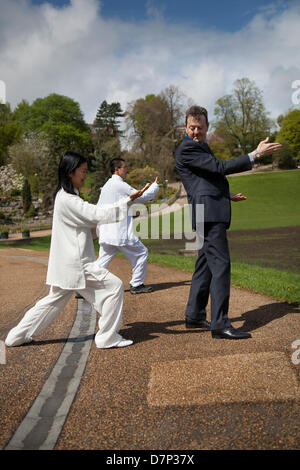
x=273, y=200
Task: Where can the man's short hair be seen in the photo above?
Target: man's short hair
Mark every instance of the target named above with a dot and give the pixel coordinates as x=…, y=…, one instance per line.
x=196, y=112
x=116, y=163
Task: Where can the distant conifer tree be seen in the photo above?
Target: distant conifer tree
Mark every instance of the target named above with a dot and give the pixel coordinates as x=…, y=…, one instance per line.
x=101, y=168
x=26, y=196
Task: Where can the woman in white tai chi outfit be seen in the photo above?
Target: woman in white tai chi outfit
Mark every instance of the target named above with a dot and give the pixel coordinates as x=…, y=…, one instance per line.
x=72, y=262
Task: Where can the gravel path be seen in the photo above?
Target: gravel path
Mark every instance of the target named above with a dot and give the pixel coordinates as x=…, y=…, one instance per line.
x=173, y=388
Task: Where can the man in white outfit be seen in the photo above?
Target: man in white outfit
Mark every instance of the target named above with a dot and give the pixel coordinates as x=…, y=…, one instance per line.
x=121, y=236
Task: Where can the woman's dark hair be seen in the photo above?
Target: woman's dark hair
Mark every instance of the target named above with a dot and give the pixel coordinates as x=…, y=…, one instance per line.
x=68, y=163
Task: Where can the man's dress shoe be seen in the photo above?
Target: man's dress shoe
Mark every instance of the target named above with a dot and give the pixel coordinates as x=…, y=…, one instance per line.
x=189, y=323
x=230, y=333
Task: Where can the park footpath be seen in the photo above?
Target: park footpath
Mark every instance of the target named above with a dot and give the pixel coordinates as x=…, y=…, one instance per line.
x=173, y=389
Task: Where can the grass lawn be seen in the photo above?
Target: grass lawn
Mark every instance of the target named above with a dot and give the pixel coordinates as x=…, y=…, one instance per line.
x=273, y=200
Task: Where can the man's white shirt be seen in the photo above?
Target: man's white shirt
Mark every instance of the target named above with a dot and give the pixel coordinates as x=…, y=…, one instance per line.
x=121, y=233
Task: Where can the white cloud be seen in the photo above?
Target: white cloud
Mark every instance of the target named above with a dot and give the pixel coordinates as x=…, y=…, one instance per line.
x=74, y=51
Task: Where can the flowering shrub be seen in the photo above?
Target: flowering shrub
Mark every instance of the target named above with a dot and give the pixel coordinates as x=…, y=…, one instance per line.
x=10, y=179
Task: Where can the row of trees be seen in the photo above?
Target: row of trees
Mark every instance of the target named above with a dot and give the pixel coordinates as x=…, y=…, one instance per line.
x=32, y=137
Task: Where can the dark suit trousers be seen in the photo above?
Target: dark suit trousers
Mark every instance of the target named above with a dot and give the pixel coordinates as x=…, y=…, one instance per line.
x=211, y=277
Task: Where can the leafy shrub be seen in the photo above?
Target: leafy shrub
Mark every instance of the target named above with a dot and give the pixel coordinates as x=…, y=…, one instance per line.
x=30, y=213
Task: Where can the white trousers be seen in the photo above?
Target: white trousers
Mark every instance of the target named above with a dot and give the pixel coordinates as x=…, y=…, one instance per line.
x=106, y=296
x=136, y=254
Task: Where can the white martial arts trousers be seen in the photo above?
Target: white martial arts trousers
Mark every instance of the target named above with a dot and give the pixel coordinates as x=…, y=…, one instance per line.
x=137, y=255
x=105, y=295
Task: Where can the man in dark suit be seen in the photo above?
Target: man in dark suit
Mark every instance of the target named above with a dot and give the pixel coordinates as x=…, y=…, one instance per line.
x=203, y=177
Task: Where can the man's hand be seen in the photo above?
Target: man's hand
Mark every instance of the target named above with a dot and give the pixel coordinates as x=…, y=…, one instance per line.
x=139, y=193
x=264, y=148
x=237, y=197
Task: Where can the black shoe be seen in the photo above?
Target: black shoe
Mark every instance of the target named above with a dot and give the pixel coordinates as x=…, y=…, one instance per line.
x=189, y=323
x=230, y=333
x=78, y=296
x=141, y=289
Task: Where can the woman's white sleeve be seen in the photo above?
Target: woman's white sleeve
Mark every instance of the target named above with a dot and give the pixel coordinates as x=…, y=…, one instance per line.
x=77, y=212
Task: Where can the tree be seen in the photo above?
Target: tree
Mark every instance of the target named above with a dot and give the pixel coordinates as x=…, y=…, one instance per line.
x=152, y=140
x=241, y=118
x=175, y=101
x=48, y=179
x=285, y=158
x=106, y=135
x=101, y=168
x=60, y=119
x=290, y=132
x=10, y=131
x=22, y=114
x=107, y=119
x=154, y=122
x=34, y=158
x=26, y=155
x=220, y=150
x=106, y=144
x=148, y=116
x=26, y=196
x=27, y=158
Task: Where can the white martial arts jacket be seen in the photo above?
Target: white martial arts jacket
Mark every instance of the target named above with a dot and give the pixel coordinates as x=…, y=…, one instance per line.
x=72, y=249
x=121, y=233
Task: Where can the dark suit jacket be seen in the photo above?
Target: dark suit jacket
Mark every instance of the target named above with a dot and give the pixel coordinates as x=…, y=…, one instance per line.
x=203, y=177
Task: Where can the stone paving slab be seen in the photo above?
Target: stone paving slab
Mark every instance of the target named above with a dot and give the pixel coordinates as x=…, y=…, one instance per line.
x=253, y=377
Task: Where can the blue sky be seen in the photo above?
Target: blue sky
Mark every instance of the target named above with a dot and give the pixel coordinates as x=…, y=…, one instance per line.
x=225, y=15
x=120, y=50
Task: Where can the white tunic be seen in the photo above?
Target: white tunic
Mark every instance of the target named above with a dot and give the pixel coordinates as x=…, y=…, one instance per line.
x=121, y=233
x=72, y=249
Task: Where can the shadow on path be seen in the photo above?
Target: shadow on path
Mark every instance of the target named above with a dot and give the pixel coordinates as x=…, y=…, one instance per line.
x=253, y=319
x=79, y=339
x=261, y=316
x=146, y=330
x=166, y=285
